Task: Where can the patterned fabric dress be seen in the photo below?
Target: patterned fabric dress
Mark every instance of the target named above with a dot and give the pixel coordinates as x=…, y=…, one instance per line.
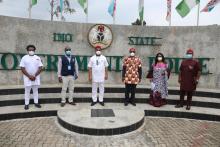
x=160, y=77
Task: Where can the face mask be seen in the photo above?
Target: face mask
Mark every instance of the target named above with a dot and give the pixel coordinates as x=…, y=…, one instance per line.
x=68, y=53
x=159, y=58
x=132, y=54
x=189, y=56
x=98, y=53
x=31, y=53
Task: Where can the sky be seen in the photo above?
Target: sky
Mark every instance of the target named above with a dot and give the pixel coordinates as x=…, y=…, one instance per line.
x=126, y=13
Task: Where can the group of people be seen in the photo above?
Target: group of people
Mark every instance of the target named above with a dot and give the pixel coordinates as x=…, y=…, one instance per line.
x=159, y=73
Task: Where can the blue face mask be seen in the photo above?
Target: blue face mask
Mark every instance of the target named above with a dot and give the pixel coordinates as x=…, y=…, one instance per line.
x=188, y=56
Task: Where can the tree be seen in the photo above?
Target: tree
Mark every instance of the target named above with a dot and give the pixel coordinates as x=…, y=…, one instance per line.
x=55, y=9
x=138, y=22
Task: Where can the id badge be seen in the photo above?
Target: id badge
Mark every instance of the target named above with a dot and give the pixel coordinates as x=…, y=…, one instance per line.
x=69, y=67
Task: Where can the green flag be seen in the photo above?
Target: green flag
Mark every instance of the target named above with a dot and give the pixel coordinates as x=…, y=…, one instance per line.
x=33, y=2
x=141, y=10
x=185, y=6
x=83, y=4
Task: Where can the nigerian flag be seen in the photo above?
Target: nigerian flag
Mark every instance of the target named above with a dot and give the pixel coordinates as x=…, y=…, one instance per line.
x=141, y=10
x=184, y=7
x=33, y=2
x=83, y=4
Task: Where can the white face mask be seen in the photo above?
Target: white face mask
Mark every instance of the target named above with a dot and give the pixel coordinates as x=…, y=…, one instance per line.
x=132, y=54
x=68, y=53
x=159, y=58
x=189, y=56
x=31, y=53
x=98, y=52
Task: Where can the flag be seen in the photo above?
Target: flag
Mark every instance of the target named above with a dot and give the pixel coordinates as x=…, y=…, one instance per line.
x=168, y=17
x=112, y=8
x=141, y=10
x=33, y=2
x=83, y=4
x=184, y=7
x=210, y=5
x=61, y=5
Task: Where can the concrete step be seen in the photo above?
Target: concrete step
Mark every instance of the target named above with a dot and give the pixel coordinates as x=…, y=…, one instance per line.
x=106, y=96
x=86, y=88
x=146, y=86
x=14, y=112
x=46, y=98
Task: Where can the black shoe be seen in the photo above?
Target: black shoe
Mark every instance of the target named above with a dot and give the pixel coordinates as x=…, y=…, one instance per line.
x=93, y=103
x=178, y=106
x=133, y=103
x=126, y=104
x=37, y=105
x=26, y=107
x=72, y=103
x=102, y=103
x=187, y=107
x=62, y=104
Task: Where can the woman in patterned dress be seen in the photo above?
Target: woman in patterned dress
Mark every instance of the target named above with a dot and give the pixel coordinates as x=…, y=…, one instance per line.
x=158, y=75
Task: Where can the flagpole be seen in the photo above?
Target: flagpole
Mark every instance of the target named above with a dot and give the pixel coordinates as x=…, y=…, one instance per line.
x=114, y=17
x=52, y=5
x=87, y=6
x=198, y=14
x=114, y=12
x=29, y=10
x=61, y=15
x=61, y=9
x=170, y=14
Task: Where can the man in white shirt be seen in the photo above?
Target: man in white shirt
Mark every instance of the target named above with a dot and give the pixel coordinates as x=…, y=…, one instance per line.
x=31, y=67
x=98, y=73
x=67, y=73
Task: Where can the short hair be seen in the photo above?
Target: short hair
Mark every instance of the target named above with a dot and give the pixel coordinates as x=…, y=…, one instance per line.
x=67, y=48
x=30, y=46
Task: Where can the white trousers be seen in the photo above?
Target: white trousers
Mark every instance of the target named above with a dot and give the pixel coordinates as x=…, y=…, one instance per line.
x=27, y=94
x=95, y=86
x=68, y=82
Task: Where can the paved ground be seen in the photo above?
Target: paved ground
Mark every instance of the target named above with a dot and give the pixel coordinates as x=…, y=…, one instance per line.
x=157, y=132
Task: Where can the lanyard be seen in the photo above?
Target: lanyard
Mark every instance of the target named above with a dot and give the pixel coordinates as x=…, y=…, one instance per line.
x=68, y=58
x=97, y=60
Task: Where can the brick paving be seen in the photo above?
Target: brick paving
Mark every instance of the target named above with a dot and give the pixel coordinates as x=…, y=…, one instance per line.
x=157, y=132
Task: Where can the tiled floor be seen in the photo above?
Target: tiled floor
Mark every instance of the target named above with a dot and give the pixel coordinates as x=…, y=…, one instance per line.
x=157, y=132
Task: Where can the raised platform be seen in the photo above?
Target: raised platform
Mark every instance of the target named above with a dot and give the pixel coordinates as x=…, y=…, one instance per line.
x=205, y=102
x=101, y=121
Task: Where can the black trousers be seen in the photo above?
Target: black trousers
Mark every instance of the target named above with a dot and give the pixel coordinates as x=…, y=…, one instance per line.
x=130, y=90
x=189, y=97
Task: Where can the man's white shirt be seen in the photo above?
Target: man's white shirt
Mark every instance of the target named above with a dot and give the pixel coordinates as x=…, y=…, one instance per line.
x=98, y=65
x=31, y=65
